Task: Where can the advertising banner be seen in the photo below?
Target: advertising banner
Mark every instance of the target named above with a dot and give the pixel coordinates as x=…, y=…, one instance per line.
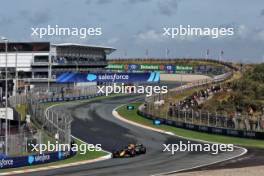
x=169, y=67
x=154, y=67
x=149, y=67
x=183, y=68
x=208, y=129
x=115, y=66
x=108, y=77
x=133, y=66
x=11, y=162
x=10, y=113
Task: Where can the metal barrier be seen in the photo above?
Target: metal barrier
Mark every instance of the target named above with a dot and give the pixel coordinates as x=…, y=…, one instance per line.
x=54, y=125
x=18, y=143
x=204, y=128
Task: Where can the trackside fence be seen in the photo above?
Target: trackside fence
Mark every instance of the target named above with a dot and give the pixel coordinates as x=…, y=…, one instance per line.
x=41, y=123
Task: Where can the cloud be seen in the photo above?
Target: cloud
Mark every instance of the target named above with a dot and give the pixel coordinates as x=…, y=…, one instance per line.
x=242, y=31
x=168, y=7
x=150, y=35
x=262, y=12
x=88, y=2
x=112, y=41
x=137, y=1
x=103, y=1
x=5, y=21
x=259, y=35
x=36, y=18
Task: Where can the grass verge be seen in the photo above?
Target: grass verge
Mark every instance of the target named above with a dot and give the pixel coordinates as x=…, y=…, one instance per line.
x=133, y=116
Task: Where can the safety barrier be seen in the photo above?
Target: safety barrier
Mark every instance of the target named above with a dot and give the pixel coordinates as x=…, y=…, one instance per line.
x=204, y=128
x=12, y=162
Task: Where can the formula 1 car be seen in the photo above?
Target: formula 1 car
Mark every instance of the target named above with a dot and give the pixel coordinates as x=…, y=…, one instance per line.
x=130, y=151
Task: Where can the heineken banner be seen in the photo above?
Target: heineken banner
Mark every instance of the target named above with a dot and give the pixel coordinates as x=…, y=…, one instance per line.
x=115, y=66
x=183, y=68
x=149, y=67
x=108, y=77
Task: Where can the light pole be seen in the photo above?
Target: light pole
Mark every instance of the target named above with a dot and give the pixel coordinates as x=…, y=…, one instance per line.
x=6, y=140
x=49, y=70
x=16, y=76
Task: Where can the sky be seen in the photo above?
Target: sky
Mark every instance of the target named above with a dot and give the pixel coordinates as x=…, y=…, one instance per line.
x=134, y=26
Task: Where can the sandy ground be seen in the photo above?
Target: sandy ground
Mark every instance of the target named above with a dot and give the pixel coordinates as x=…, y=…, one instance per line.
x=183, y=77
x=246, y=171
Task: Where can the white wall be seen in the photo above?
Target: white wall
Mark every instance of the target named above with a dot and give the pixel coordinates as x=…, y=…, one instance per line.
x=24, y=60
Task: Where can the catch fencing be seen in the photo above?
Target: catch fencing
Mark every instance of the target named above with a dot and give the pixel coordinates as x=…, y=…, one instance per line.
x=213, y=119
x=43, y=124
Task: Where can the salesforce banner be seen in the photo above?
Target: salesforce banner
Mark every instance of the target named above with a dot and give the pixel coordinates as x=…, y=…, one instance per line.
x=108, y=77
x=11, y=162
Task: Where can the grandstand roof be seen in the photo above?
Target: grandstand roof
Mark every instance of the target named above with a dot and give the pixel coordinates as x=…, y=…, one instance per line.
x=108, y=50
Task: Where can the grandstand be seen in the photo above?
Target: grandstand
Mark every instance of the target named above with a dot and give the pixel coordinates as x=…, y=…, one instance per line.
x=37, y=61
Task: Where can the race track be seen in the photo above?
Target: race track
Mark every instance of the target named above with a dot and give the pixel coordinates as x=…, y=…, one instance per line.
x=94, y=123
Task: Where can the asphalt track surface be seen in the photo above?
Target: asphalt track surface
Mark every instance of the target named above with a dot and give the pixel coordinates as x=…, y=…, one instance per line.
x=94, y=123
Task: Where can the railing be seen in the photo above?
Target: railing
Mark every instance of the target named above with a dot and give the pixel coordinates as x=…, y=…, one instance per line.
x=205, y=118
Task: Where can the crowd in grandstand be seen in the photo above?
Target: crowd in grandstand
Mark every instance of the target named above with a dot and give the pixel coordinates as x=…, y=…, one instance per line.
x=77, y=60
x=233, y=120
x=193, y=100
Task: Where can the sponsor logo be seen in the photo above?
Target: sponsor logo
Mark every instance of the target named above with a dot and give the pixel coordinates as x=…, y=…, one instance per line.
x=109, y=77
x=30, y=159
x=91, y=77
x=6, y=162
x=156, y=122
x=38, y=158
x=62, y=155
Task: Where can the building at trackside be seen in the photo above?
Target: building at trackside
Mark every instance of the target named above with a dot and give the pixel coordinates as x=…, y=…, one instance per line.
x=37, y=61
